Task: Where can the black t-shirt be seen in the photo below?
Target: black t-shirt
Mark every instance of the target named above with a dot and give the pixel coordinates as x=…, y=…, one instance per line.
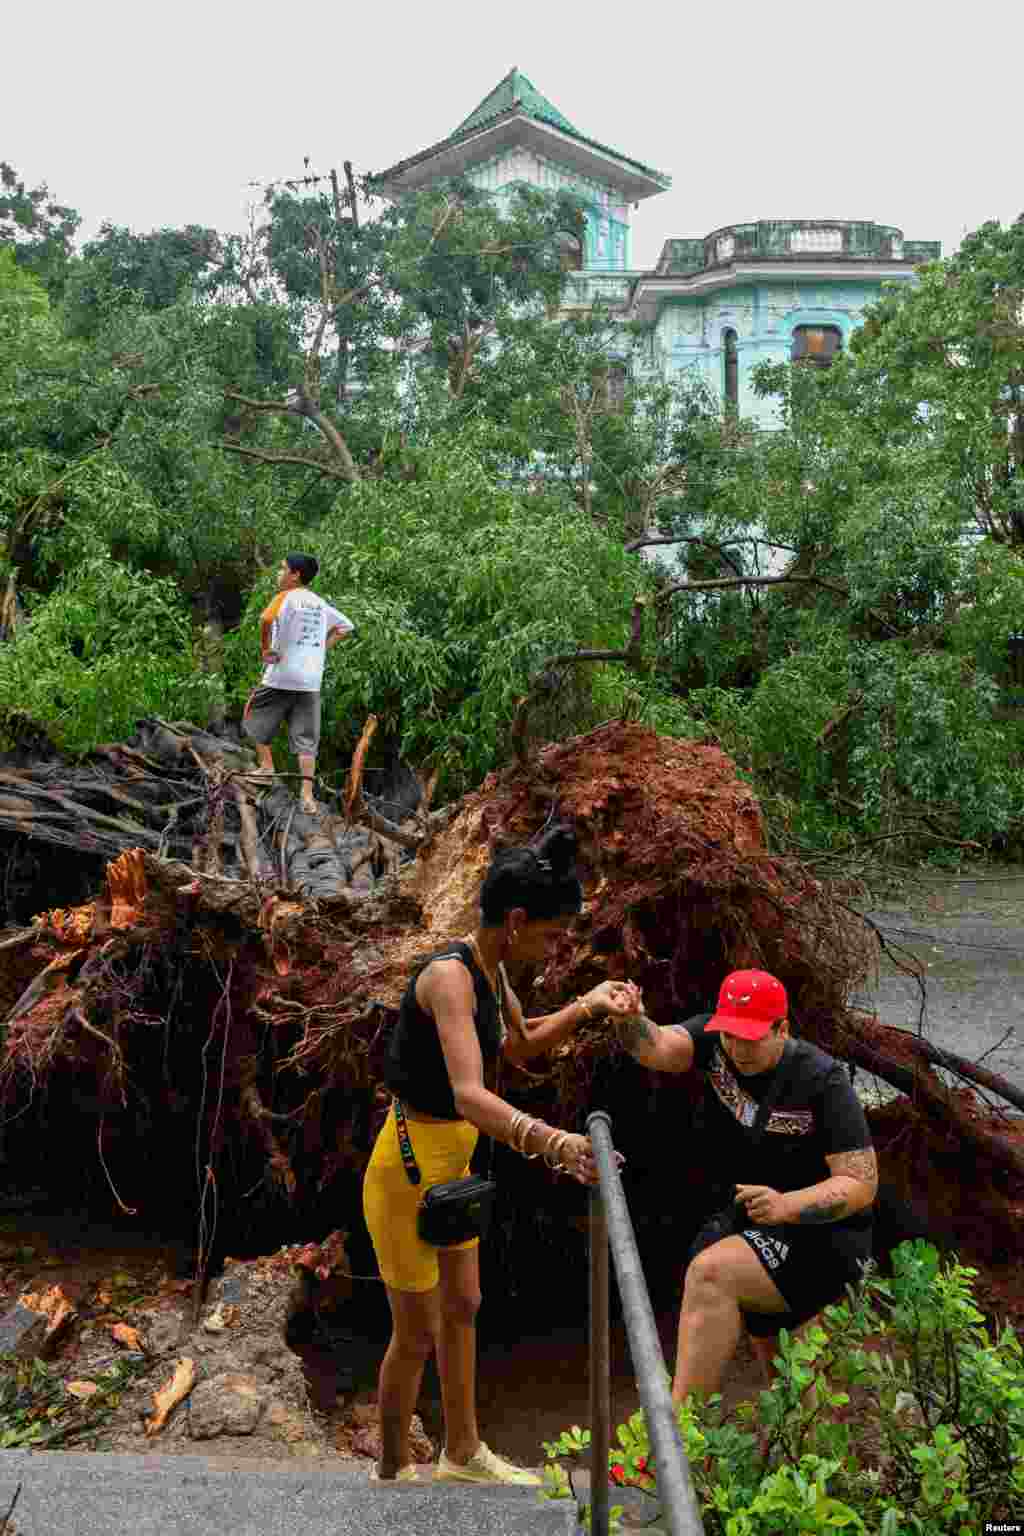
x=415, y=1069
x=817, y=1114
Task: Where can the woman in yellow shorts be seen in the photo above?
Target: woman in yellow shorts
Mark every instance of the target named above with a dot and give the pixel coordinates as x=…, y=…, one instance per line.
x=449, y=1033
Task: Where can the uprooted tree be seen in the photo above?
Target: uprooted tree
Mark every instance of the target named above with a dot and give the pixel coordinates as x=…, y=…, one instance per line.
x=197, y=1040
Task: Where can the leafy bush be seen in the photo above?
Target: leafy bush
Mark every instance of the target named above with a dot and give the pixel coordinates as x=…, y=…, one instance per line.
x=875, y=736
x=460, y=589
x=936, y=1447
x=106, y=648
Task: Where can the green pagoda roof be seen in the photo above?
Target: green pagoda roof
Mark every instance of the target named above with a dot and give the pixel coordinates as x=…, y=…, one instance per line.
x=516, y=96
x=516, y=91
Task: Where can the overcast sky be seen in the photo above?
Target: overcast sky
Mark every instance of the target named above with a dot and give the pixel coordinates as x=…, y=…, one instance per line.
x=905, y=112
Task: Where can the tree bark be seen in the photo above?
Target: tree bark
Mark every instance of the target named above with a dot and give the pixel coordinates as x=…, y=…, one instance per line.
x=211, y=650
x=344, y=466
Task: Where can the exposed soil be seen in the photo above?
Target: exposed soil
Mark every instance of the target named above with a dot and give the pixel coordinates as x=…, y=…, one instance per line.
x=181, y=1021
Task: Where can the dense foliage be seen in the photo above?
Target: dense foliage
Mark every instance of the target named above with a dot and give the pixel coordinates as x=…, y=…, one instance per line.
x=933, y=1444
x=875, y=687
x=459, y=590
x=383, y=384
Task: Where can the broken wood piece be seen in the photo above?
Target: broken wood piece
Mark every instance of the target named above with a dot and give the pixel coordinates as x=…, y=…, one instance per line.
x=123, y=1333
x=6, y=1528
x=54, y=1306
x=126, y=883
x=381, y=824
x=173, y=1391
x=51, y=977
x=224, y=1315
x=249, y=837
x=354, y=783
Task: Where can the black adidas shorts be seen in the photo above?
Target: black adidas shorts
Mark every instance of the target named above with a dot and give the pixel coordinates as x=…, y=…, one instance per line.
x=810, y=1266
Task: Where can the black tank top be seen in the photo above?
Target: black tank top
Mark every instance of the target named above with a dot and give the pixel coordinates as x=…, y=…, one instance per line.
x=415, y=1069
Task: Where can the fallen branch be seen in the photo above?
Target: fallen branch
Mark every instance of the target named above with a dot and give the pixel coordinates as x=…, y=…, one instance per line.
x=692, y=538
x=262, y=456
x=354, y=784
x=170, y=1395
x=6, y=1522
x=768, y=581
x=249, y=836
x=305, y=406
x=935, y=1056
x=631, y=656
x=387, y=828
x=919, y=1083
x=714, y=583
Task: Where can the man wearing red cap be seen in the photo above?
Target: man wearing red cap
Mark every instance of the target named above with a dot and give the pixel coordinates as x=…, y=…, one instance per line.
x=784, y=1113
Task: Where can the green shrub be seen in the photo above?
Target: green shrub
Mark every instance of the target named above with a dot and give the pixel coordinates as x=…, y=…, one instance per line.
x=106, y=648
x=872, y=738
x=938, y=1451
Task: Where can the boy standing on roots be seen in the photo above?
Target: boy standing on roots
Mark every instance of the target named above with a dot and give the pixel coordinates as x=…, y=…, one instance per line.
x=297, y=629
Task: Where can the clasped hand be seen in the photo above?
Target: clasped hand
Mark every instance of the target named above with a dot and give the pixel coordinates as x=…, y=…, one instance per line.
x=614, y=999
x=579, y=1160
x=764, y=1205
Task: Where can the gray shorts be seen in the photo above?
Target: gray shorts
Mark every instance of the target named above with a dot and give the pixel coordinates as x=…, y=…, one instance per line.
x=269, y=707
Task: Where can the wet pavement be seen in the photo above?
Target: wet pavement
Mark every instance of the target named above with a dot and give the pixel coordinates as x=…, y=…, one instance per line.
x=968, y=934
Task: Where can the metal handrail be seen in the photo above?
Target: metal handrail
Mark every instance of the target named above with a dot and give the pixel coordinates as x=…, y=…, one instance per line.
x=610, y=1222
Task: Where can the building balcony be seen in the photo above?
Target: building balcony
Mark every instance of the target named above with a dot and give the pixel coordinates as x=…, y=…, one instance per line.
x=592, y=286
x=788, y=240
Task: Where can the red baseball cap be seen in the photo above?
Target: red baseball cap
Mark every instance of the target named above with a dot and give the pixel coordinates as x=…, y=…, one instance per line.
x=749, y=1003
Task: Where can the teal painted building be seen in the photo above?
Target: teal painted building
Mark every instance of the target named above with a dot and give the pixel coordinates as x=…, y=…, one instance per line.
x=716, y=306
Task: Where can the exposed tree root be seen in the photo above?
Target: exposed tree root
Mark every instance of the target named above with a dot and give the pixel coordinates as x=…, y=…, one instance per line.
x=228, y=1032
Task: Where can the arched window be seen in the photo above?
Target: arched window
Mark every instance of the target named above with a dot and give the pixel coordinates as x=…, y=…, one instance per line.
x=817, y=344
x=731, y=366
x=571, y=254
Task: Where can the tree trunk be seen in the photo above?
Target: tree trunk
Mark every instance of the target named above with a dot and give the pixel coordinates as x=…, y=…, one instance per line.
x=210, y=647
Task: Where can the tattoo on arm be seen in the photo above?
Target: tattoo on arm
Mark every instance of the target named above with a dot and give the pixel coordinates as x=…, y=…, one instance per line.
x=635, y=1031
x=862, y=1165
x=826, y=1210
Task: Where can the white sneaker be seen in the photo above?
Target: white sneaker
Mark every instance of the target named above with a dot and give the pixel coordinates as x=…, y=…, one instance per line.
x=406, y=1474
x=484, y=1467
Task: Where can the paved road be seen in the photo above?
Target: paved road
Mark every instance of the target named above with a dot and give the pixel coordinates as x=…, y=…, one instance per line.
x=71, y=1493
x=969, y=937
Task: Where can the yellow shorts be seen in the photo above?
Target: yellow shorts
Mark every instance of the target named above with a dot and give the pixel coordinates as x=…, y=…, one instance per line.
x=391, y=1203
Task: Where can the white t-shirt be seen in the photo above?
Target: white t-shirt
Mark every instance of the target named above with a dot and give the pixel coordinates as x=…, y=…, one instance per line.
x=300, y=623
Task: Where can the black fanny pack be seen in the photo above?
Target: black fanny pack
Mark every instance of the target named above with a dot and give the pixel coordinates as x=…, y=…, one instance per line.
x=449, y=1213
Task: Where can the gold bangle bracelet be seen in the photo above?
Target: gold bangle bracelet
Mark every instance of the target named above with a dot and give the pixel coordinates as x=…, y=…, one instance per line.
x=515, y=1127
x=554, y=1148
